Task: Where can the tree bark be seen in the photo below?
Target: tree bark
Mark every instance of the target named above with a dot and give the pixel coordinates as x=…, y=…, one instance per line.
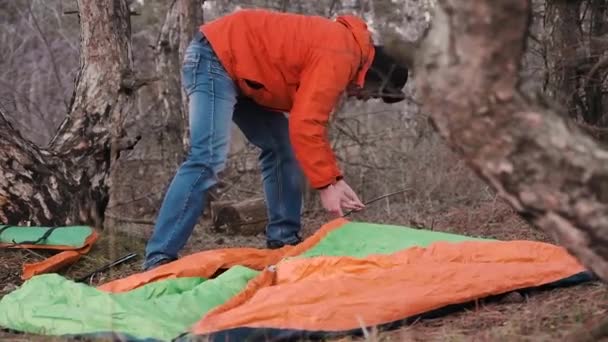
x=552, y=174
x=183, y=20
x=66, y=182
x=26, y=174
x=140, y=179
x=594, y=85
x=576, y=56
x=564, y=43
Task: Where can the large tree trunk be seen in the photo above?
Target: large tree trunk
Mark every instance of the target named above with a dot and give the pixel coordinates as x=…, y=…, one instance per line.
x=553, y=174
x=141, y=177
x=67, y=181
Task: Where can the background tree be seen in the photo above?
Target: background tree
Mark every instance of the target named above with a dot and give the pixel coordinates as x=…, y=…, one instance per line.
x=550, y=172
x=576, y=41
x=66, y=181
x=141, y=176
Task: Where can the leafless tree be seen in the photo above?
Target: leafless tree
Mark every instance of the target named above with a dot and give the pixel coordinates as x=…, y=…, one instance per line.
x=67, y=181
x=142, y=175
x=552, y=173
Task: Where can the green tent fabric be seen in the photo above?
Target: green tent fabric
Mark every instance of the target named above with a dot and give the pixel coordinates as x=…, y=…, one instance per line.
x=166, y=309
x=359, y=239
x=53, y=305
x=73, y=236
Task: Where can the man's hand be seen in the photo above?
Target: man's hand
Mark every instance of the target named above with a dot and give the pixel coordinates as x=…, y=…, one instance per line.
x=339, y=196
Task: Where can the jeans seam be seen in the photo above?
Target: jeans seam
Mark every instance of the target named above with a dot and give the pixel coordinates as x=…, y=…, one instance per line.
x=194, y=75
x=276, y=152
x=183, y=210
x=280, y=190
x=212, y=112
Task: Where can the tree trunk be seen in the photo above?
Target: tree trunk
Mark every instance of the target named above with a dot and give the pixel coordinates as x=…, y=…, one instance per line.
x=66, y=182
x=566, y=53
x=594, y=84
x=140, y=179
x=553, y=174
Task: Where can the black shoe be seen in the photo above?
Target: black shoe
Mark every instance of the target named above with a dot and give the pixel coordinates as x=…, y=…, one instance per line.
x=276, y=244
x=159, y=263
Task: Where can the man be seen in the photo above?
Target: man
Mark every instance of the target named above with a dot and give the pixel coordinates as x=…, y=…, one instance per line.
x=251, y=67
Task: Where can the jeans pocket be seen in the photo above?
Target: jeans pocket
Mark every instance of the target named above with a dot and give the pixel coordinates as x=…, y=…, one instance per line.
x=189, y=70
x=216, y=68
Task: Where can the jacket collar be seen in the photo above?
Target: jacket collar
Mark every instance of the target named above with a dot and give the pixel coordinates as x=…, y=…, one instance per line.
x=363, y=37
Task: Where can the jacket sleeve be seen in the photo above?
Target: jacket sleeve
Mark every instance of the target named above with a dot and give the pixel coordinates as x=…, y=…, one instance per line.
x=321, y=86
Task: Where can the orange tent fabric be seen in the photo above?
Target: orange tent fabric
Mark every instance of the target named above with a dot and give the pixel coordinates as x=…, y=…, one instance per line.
x=205, y=264
x=90, y=240
x=67, y=256
x=343, y=293
x=347, y=276
x=339, y=293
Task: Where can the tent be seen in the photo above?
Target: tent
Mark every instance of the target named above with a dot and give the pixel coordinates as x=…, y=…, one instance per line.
x=345, y=277
x=71, y=243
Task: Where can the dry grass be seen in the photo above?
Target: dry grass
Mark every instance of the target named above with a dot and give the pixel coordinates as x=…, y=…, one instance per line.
x=444, y=196
x=544, y=316
x=108, y=248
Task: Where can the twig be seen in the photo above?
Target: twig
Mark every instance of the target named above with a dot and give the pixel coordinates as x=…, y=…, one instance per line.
x=379, y=198
x=133, y=13
x=602, y=62
x=34, y=253
x=332, y=7
x=48, y=48
x=130, y=219
x=136, y=199
x=365, y=166
x=34, y=107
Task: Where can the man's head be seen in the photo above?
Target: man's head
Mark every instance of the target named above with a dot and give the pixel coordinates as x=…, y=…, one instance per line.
x=384, y=79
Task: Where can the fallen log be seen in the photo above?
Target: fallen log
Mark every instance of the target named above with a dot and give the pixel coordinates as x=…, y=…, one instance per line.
x=248, y=217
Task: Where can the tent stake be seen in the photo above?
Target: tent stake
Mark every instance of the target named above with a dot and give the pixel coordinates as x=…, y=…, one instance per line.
x=107, y=266
x=377, y=199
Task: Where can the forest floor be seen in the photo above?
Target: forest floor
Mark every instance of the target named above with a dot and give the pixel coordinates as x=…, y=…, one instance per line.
x=547, y=316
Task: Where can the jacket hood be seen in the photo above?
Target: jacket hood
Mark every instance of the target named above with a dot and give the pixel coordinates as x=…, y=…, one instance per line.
x=363, y=37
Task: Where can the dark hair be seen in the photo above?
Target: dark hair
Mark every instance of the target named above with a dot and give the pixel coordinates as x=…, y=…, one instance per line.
x=387, y=76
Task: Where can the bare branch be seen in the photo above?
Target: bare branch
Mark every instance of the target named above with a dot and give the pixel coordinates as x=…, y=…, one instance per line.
x=130, y=220
x=48, y=49
x=601, y=63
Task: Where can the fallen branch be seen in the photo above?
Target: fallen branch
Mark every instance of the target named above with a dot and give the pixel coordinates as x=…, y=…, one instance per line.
x=129, y=219
x=248, y=217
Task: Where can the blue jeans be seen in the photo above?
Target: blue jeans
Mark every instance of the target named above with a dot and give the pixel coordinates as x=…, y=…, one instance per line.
x=214, y=104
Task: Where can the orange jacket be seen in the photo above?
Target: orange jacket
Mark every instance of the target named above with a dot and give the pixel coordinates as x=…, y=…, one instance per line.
x=297, y=64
